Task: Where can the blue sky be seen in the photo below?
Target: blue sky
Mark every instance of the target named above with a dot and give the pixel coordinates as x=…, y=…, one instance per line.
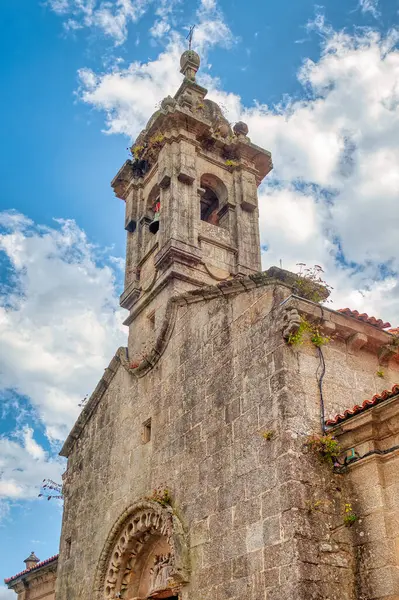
x=318, y=86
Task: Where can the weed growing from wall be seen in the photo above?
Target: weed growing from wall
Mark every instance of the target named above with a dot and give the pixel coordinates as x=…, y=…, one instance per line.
x=310, y=283
x=161, y=496
x=308, y=332
x=350, y=517
x=325, y=446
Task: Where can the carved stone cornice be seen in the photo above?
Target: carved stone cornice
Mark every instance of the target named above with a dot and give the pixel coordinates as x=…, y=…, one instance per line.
x=356, y=334
x=371, y=433
x=130, y=295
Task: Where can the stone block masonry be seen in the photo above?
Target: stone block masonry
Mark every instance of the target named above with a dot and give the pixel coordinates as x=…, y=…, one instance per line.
x=262, y=518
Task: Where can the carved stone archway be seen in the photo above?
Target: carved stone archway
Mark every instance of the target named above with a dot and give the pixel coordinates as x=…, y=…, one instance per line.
x=145, y=555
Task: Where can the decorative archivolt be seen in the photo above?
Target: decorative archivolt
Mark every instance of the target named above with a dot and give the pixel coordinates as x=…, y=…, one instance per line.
x=145, y=555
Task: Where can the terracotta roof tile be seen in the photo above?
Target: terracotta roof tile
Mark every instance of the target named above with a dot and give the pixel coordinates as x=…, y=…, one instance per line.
x=394, y=331
x=379, y=323
x=385, y=395
x=35, y=568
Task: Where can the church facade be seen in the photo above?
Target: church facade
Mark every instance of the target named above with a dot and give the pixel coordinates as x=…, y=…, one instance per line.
x=206, y=464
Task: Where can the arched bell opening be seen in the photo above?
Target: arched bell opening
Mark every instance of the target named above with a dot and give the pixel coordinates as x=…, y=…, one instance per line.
x=209, y=207
x=154, y=208
x=213, y=198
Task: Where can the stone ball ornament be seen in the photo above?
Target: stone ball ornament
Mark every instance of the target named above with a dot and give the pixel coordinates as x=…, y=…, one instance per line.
x=241, y=128
x=168, y=102
x=190, y=56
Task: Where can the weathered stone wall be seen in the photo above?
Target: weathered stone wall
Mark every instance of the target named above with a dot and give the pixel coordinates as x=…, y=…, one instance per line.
x=352, y=371
x=263, y=518
x=372, y=438
x=371, y=485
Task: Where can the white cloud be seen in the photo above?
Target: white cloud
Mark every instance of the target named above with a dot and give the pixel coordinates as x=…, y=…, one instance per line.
x=4, y=511
x=110, y=17
x=211, y=29
x=334, y=149
x=23, y=466
x=129, y=96
x=113, y=17
x=164, y=12
x=160, y=28
x=59, y=321
x=6, y=594
x=369, y=6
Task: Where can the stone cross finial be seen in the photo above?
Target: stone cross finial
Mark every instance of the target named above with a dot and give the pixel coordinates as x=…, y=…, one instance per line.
x=190, y=36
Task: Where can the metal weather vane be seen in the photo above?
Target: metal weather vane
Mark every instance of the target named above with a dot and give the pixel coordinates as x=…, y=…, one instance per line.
x=190, y=36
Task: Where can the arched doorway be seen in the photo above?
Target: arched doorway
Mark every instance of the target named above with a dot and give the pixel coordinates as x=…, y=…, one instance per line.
x=145, y=556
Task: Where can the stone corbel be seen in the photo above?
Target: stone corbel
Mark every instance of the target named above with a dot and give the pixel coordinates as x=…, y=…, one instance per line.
x=164, y=181
x=355, y=342
x=185, y=176
x=386, y=353
x=329, y=328
x=291, y=322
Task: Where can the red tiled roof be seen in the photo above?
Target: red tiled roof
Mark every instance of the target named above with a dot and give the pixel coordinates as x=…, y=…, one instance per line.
x=379, y=323
x=35, y=568
x=394, y=331
x=385, y=395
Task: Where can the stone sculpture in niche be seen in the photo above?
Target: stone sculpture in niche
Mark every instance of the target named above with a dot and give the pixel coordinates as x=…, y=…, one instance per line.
x=161, y=576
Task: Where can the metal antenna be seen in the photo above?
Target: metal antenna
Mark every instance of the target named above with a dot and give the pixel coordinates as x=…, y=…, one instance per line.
x=190, y=36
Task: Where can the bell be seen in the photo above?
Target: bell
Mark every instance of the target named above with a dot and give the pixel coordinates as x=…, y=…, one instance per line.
x=154, y=225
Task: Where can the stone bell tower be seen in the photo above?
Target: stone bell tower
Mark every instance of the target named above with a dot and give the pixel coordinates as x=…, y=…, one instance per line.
x=199, y=468
x=191, y=205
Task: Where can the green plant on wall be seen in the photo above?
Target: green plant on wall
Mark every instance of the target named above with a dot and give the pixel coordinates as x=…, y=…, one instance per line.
x=395, y=341
x=160, y=495
x=310, y=283
x=137, y=151
x=268, y=434
x=233, y=164
x=156, y=141
x=308, y=331
x=350, y=517
x=326, y=446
